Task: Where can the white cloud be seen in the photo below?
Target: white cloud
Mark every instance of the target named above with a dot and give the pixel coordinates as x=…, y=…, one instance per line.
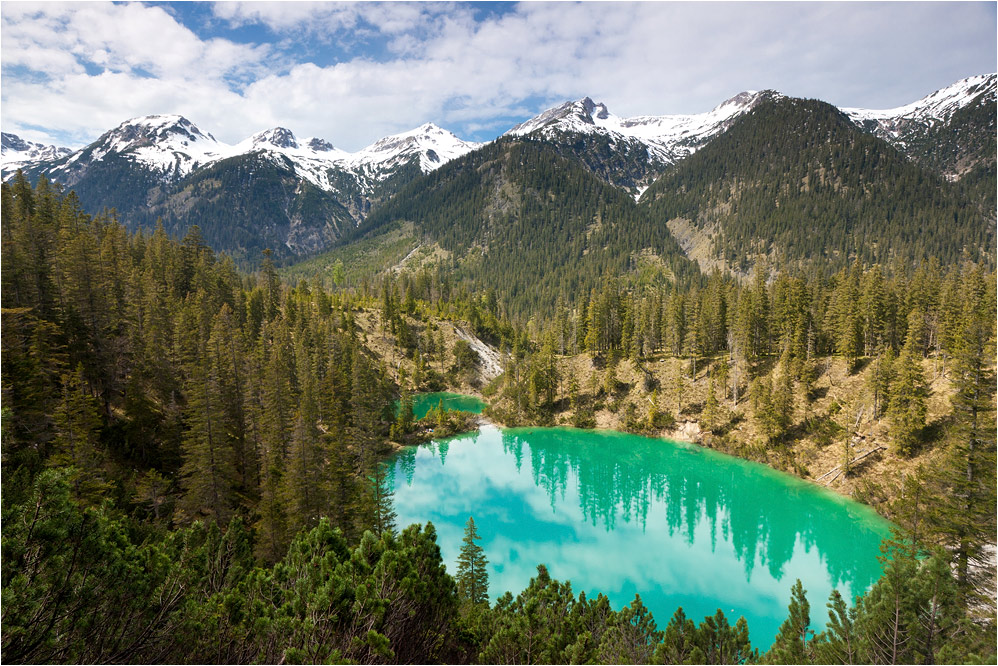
x=378, y=68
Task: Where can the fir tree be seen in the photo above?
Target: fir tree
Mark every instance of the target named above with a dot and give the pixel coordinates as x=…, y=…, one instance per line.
x=472, y=576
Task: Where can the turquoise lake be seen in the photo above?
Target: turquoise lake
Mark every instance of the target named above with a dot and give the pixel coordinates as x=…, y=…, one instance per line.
x=424, y=402
x=620, y=514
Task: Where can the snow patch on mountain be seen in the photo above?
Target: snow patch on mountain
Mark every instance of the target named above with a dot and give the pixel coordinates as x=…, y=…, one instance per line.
x=173, y=147
x=898, y=124
x=940, y=105
x=16, y=153
x=668, y=138
x=433, y=145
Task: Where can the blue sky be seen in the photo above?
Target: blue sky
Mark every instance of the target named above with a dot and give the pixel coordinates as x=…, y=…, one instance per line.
x=354, y=72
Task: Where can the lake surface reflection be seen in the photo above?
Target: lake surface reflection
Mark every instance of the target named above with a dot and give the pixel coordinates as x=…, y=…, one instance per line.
x=621, y=514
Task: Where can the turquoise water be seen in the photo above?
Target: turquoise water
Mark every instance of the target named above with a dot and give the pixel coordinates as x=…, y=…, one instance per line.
x=424, y=402
x=620, y=514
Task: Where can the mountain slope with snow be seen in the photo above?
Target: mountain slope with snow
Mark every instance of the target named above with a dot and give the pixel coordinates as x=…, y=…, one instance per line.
x=16, y=153
x=172, y=147
x=936, y=107
x=269, y=190
x=299, y=195
x=637, y=149
x=951, y=131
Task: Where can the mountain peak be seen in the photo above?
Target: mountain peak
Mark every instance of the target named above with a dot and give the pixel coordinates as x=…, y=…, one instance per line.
x=575, y=115
x=153, y=130
x=939, y=105
x=319, y=145
x=277, y=137
x=593, y=110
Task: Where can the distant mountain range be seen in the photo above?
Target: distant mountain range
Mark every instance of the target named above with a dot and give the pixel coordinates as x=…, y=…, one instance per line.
x=300, y=197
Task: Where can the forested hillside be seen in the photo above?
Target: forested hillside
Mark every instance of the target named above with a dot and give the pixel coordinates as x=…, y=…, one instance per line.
x=528, y=223
x=193, y=458
x=795, y=181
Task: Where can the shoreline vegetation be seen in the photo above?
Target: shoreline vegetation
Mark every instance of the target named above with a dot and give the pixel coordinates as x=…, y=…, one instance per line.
x=834, y=422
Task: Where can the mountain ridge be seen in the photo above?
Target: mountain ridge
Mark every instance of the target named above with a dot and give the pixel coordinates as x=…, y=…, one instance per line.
x=668, y=137
x=165, y=167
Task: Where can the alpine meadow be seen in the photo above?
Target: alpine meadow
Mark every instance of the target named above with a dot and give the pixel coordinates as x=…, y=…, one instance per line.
x=699, y=388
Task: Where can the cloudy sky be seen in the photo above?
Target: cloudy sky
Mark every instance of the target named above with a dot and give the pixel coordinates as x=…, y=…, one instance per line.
x=352, y=73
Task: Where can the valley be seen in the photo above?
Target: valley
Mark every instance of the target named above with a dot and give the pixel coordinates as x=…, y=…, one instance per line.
x=210, y=353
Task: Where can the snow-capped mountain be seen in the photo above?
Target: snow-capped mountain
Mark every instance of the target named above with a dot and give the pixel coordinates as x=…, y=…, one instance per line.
x=668, y=138
x=172, y=147
x=298, y=195
x=16, y=153
x=950, y=131
x=894, y=124
x=169, y=145
x=432, y=145
x=632, y=152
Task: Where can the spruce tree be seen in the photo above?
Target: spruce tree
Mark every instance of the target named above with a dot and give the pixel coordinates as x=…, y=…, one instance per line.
x=381, y=500
x=77, y=441
x=208, y=471
x=472, y=576
x=906, y=409
x=838, y=643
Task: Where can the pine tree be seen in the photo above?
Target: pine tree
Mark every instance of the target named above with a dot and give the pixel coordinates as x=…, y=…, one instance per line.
x=879, y=382
x=792, y=644
x=712, y=409
x=381, y=500
x=679, y=640
x=472, y=576
x=77, y=441
x=208, y=471
x=906, y=409
x=888, y=612
x=838, y=643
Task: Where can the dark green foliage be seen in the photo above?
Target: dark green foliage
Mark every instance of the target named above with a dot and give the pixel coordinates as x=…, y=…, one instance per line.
x=78, y=589
x=965, y=515
x=906, y=408
x=796, y=180
x=622, y=164
x=150, y=368
x=177, y=389
x=911, y=615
